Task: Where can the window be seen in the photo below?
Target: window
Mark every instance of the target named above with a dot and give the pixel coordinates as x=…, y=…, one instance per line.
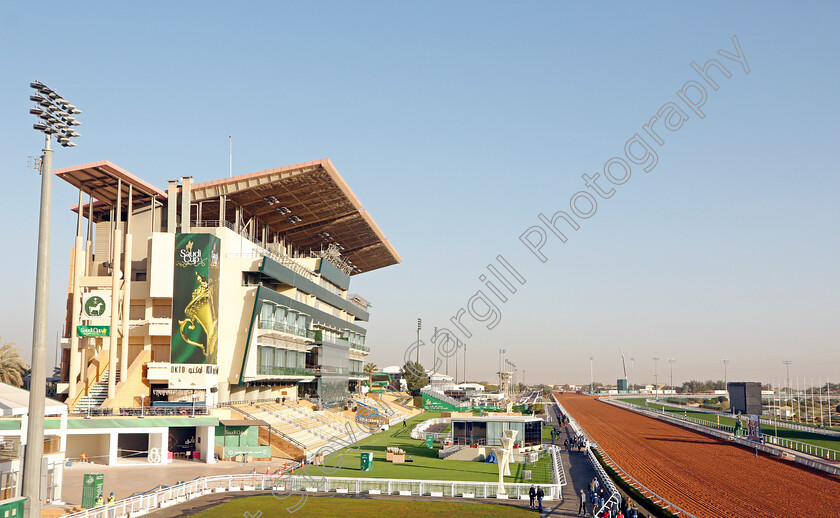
x=8, y=485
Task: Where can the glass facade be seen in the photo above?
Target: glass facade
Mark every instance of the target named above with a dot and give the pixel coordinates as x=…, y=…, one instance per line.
x=489, y=433
x=334, y=360
x=281, y=318
x=274, y=361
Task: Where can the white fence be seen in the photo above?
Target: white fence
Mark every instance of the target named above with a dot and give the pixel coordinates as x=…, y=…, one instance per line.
x=804, y=447
x=419, y=431
x=288, y=484
x=708, y=428
x=764, y=420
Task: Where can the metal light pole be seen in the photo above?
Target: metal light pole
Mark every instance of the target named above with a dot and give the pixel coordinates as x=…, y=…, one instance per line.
x=465, y=364
x=419, y=326
x=434, y=345
x=632, y=364
x=500, y=365
x=591, y=378
x=655, y=377
x=55, y=116
x=672, y=361
x=787, y=366
x=725, y=362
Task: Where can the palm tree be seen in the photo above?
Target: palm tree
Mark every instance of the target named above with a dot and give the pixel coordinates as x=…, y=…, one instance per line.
x=12, y=366
x=370, y=370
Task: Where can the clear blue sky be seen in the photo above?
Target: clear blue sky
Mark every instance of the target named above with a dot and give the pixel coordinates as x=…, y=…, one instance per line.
x=456, y=124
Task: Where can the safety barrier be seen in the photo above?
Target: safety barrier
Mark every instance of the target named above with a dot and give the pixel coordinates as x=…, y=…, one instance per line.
x=286, y=484
x=419, y=431
x=804, y=447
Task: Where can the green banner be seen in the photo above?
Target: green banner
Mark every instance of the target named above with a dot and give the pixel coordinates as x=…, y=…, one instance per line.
x=367, y=461
x=92, y=485
x=430, y=440
x=93, y=331
x=195, y=299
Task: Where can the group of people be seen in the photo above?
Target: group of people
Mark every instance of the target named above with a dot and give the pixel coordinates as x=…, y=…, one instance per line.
x=100, y=501
x=600, y=502
x=578, y=442
x=536, y=495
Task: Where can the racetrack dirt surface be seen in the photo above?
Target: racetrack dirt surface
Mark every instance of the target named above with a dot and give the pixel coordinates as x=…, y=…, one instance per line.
x=699, y=473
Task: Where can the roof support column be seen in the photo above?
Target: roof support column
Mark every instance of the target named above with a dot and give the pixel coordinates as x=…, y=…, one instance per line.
x=89, y=252
x=186, y=200
x=222, y=200
x=115, y=293
x=76, y=306
x=172, y=206
x=152, y=214
x=126, y=301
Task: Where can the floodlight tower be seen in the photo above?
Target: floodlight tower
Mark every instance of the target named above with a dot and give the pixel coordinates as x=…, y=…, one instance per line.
x=419, y=326
x=55, y=117
x=787, y=366
x=725, y=362
x=672, y=361
x=655, y=377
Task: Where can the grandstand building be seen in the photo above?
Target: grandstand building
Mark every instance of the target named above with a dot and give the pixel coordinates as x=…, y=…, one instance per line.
x=230, y=290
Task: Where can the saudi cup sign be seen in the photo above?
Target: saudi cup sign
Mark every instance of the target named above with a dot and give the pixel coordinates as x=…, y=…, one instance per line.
x=367, y=461
x=195, y=299
x=96, y=305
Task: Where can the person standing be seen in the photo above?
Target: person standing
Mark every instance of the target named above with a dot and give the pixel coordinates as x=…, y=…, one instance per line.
x=540, y=495
x=582, y=506
x=532, y=494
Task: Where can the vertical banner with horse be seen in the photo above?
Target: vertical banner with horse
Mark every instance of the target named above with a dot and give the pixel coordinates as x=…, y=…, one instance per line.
x=195, y=299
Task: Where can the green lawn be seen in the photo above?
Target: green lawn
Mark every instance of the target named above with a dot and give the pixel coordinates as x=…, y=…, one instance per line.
x=787, y=433
x=268, y=506
x=425, y=466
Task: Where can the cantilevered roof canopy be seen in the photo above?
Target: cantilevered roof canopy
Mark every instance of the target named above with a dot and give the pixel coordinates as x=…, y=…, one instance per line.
x=310, y=205
x=101, y=179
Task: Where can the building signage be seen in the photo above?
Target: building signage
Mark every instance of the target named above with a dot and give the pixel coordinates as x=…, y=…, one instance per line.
x=93, y=331
x=195, y=299
x=257, y=452
x=754, y=428
x=96, y=305
x=367, y=461
x=92, y=485
x=193, y=376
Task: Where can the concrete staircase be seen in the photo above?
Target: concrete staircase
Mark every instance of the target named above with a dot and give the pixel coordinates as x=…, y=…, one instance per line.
x=97, y=395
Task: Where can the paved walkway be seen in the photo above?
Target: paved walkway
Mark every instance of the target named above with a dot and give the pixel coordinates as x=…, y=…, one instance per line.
x=578, y=474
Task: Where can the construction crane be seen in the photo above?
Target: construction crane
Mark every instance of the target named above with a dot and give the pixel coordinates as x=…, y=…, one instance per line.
x=623, y=363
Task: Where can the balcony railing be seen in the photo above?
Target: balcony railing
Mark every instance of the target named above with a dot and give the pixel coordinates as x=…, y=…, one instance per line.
x=271, y=370
x=286, y=328
x=358, y=374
